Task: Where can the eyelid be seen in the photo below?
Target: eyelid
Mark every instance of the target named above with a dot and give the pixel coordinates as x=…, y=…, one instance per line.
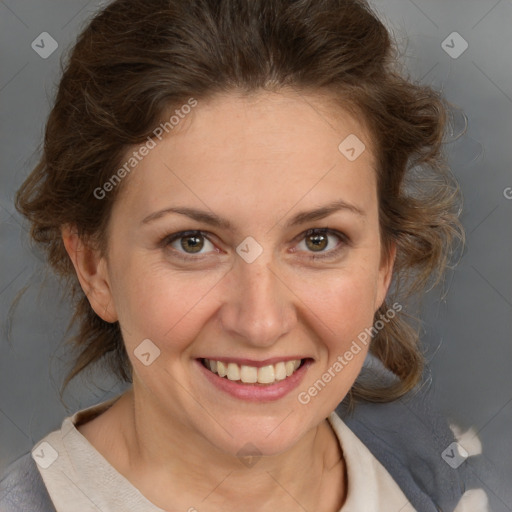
x=169, y=239
x=323, y=231
x=331, y=253
x=182, y=234
x=344, y=241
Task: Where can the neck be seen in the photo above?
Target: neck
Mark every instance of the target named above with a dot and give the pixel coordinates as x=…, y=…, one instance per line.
x=171, y=464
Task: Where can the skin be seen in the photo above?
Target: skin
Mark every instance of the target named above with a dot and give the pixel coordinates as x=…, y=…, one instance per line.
x=256, y=161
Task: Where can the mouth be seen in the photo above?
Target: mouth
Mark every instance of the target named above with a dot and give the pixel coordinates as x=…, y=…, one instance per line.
x=246, y=374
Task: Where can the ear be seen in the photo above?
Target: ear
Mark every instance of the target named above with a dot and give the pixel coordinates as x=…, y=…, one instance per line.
x=92, y=272
x=385, y=274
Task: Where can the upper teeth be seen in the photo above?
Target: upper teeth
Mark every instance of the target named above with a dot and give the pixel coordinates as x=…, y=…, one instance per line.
x=251, y=374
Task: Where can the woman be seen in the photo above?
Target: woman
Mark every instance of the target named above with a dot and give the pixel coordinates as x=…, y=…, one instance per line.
x=231, y=188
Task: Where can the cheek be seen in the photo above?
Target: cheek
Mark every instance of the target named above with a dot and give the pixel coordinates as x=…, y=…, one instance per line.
x=344, y=301
x=171, y=307
x=345, y=307
x=167, y=307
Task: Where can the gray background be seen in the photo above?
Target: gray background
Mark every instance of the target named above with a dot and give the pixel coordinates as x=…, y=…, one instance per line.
x=466, y=332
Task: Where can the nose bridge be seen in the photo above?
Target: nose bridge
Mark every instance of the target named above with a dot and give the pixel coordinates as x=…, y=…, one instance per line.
x=258, y=308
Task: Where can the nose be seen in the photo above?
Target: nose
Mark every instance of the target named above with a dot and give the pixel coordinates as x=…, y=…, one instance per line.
x=258, y=307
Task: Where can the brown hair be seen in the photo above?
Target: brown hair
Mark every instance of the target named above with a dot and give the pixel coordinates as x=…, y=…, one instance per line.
x=137, y=59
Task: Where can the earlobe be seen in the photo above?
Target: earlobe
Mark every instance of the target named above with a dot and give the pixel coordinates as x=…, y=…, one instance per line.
x=92, y=273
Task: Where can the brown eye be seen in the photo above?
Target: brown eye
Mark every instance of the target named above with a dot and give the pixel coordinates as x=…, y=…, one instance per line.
x=192, y=243
x=325, y=242
x=188, y=242
x=317, y=242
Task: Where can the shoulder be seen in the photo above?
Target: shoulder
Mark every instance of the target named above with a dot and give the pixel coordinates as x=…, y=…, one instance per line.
x=409, y=436
x=22, y=488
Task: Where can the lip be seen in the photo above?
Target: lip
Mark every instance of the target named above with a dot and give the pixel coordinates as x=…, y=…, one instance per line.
x=256, y=392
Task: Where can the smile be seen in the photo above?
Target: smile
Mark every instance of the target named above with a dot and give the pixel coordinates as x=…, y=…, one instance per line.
x=268, y=374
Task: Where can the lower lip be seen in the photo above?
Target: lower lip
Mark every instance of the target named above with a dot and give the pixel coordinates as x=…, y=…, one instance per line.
x=257, y=392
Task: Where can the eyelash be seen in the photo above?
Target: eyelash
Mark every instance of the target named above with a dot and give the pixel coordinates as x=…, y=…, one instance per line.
x=330, y=254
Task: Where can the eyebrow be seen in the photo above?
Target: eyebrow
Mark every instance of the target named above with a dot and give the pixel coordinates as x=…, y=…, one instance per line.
x=216, y=221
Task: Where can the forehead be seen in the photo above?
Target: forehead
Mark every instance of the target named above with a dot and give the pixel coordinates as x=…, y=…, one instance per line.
x=258, y=152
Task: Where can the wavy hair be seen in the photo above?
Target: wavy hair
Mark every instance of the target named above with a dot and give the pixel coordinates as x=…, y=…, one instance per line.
x=136, y=59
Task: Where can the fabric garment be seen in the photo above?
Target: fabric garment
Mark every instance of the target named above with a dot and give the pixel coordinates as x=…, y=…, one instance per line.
x=395, y=447
x=81, y=480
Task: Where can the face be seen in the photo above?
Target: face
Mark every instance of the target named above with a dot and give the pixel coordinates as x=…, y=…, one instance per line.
x=215, y=256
